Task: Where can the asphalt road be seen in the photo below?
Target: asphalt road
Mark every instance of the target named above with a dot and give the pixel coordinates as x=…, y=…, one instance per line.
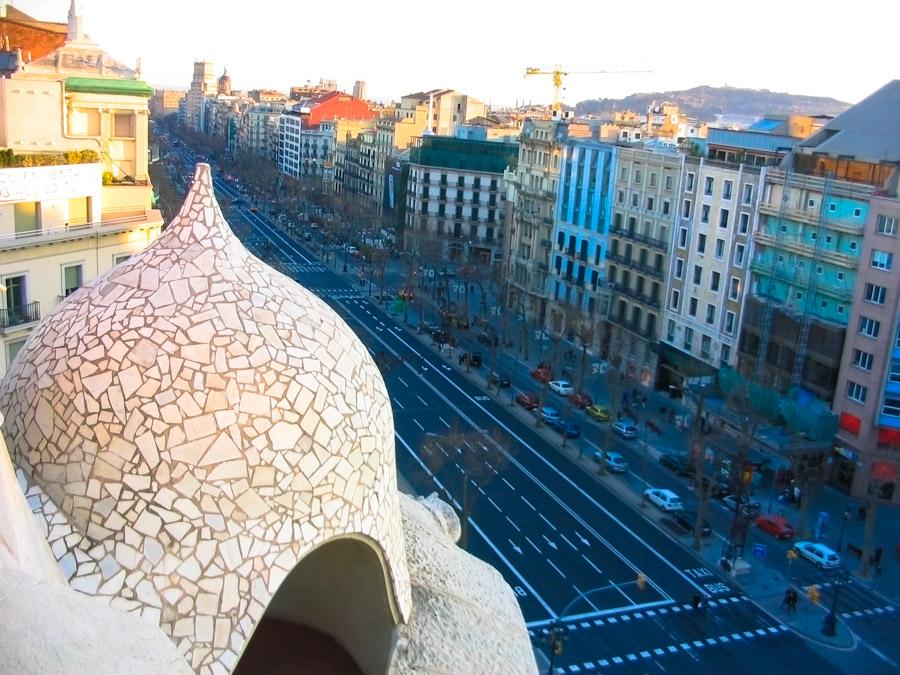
x=574, y=552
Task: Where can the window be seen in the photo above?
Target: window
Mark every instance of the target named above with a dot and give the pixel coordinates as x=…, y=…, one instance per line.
x=124, y=125
x=682, y=237
x=748, y=194
x=676, y=296
x=701, y=243
x=868, y=327
x=119, y=258
x=726, y=189
x=686, y=209
x=744, y=223
x=670, y=331
x=84, y=122
x=698, y=274
x=634, y=199
x=882, y=260
x=714, y=282
x=708, y=189
x=723, y=218
x=689, y=186
x=688, y=338
x=652, y=180
x=692, y=307
x=886, y=225
x=894, y=373
x=832, y=207
x=710, y=314
x=637, y=176
x=729, y=322
x=862, y=359
x=704, y=213
x=726, y=355
x=875, y=294
x=666, y=206
x=720, y=248
x=623, y=173
x=25, y=219
x=679, y=267
x=650, y=203
x=739, y=255
x=668, y=182
x=734, y=290
x=891, y=407
x=856, y=392
x=72, y=278
x=12, y=349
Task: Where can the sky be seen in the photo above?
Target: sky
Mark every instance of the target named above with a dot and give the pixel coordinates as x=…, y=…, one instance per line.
x=482, y=48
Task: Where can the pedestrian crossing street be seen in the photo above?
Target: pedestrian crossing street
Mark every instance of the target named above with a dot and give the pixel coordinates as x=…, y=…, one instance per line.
x=336, y=293
x=300, y=268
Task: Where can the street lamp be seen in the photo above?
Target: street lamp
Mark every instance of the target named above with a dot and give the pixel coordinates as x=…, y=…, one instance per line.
x=847, y=515
x=829, y=624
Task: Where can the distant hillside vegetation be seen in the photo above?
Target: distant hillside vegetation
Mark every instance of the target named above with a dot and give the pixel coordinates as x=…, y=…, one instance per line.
x=704, y=103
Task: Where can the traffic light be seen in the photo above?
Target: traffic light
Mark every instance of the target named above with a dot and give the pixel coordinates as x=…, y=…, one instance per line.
x=641, y=581
x=814, y=594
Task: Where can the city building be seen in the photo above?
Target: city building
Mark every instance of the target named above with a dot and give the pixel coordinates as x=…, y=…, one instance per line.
x=578, y=293
x=456, y=196
x=203, y=85
x=77, y=196
x=707, y=275
x=258, y=129
x=165, y=102
x=359, y=90
x=302, y=151
x=532, y=192
x=448, y=108
x=35, y=38
x=647, y=185
x=309, y=90
x=223, y=85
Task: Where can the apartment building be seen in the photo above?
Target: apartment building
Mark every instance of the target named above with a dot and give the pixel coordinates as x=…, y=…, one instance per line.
x=449, y=109
x=647, y=185
x=165, y=102
x=578, y=293
x=203, y=84
x=258, y=129
x=77, y=197
x=533, y=187
x=708, y=269
x=303, y=152
x=456, y=196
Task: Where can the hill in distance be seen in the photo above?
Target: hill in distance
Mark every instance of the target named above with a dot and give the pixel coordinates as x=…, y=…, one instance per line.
x=705, y=102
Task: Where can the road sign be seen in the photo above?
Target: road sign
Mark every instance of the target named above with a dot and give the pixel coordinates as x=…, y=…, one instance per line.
x=760, y=550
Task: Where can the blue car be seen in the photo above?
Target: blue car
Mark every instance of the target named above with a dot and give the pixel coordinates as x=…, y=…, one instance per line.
x=567, y=427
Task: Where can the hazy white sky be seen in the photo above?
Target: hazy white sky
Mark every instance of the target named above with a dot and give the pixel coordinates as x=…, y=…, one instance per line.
x=483, y=47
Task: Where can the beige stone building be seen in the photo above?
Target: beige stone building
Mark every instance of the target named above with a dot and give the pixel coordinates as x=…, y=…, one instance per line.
x=166, y=102
x=78, y=199
x=643, y=220
x=709, y=268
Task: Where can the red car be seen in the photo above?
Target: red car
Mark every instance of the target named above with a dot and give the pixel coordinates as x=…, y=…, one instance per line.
x=581, y=400
x=528, y=401
x=542, y=375
x=777, y=526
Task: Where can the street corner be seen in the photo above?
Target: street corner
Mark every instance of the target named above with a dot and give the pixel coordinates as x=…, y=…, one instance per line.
x=807, y=619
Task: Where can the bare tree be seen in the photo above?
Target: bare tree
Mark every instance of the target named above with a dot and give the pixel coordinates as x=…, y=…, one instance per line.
x=472, y=459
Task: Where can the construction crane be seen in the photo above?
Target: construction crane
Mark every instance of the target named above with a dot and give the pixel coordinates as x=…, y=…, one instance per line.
x=557, y=73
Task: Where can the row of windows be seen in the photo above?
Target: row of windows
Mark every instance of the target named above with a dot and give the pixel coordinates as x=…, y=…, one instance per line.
x=637, y=177
x=724, y=216
x=706, y=342
x=460, y=180
x=727, y=188
x=857, y=392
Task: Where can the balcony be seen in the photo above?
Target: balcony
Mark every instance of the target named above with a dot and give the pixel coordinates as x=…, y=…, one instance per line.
x=806, y=250
x=763, y=267
x=80, y=231
x=635, y=236
x=16, y=317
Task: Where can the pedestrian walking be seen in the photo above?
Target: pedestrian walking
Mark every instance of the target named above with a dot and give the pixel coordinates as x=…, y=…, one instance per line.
x=697, y=602
x=786, y=600
x=792, y=603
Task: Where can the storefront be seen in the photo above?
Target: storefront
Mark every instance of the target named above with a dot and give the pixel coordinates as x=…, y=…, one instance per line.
x=843, y=463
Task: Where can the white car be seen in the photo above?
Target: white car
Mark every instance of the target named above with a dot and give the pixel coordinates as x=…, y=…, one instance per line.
x=664, y=499
x=615, y=462
x=562, y=387
x=625, y=428
x=818, y=554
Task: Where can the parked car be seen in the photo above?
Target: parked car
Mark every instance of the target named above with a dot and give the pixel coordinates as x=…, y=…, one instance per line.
x=598, y=412
x=566, y=427
x=528, y=401
x=777, y=526
x=688, y=520
x=715, y=488
x=748, y=508
x=615, y=462
x=562, y=387
x=625, y=428
x=677, y=463
x=542, y=375
x=581, y=400
x=818, y=554
x=443, y=337
x=549, y=414
x=254, y=208
x=499, y=380
x=488, y=339
x=663, y=499
x=473, y=359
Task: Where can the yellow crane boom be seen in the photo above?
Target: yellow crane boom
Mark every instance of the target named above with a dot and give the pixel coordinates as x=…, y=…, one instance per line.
x=557, y=72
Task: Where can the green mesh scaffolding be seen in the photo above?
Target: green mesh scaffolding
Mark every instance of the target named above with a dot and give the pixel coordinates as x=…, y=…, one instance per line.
x=797, y=409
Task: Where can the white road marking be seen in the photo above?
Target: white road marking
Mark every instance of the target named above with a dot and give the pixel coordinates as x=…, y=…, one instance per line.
x=550, y=543
x=509, y=519
x=551, y=525
x=424, y=402
x=550, y=562
x=444, y=421
x=529, y=503
x=418, y=425
x=533, y=546
x=588, y=561
x=398, y=404
x=494, y=504
x=563, y=537
x=508, y=484
x=403, y=381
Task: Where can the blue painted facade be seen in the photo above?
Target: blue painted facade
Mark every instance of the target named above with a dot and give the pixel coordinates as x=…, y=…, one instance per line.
x=583, y=214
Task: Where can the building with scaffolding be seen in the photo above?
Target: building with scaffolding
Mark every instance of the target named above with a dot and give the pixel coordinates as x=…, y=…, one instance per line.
x=821, y=314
